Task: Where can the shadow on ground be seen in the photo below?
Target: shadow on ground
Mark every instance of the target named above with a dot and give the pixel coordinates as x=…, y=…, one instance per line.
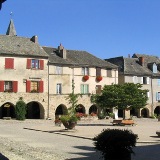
x=91, y=154
x=2, y=157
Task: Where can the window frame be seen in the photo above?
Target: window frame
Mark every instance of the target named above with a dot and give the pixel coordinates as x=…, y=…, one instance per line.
x=85, y=71
x=84, y=88
x=59, y=88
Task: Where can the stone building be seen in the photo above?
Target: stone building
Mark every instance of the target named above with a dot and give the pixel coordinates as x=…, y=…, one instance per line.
x=88, y=73
x=144, y=69
x=43, y=76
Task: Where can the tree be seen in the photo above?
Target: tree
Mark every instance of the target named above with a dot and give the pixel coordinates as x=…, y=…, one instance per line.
x=20, y=109
x=121, y=96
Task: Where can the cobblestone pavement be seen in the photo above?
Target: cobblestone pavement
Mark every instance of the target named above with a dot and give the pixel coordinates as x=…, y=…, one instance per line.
x=41, y=139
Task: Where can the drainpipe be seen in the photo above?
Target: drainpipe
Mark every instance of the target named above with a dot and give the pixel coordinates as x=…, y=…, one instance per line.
x=48, y=93
x=152, y=96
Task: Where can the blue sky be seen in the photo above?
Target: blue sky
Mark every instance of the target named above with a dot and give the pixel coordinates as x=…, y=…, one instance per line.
x=105, y=28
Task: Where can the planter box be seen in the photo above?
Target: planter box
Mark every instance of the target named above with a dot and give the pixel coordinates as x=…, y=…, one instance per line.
x=123, y=122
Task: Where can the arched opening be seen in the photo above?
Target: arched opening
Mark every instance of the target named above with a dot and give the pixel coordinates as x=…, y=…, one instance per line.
x=35, y=110
x=157, y=110
x=145, y=113
x=93, y=109
x=61, y=110
x=7, y=110
x=80, y=109
x=120, y=113
x=134, y=112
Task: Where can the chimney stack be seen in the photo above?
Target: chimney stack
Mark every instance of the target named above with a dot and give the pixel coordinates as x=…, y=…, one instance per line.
x=141, y=61
x=62, y=51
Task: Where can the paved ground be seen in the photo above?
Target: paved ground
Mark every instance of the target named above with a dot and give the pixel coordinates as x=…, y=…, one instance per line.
x=51, y=142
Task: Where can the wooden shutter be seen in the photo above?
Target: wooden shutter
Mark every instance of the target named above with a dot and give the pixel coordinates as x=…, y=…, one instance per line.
x=40, y=86
x=15, y=86
x=9, y=63
x=41, y=64
x=1, y=86
x=28, y=64
x=28, y=86
x=98, y=71
x=98, y=89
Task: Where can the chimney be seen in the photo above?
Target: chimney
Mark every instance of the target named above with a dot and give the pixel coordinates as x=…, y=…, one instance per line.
x=62, y=51
x=141, y=61
x=34, y=39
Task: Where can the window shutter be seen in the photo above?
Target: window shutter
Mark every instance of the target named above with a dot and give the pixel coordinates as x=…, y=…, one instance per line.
x=41, y=64
x=147, y=80
x=1, y=86
x=28, y=64
x=28, y=86
x=82, y=88
x=40, y=86
x=15, y=86
x=9, y=63
x=98, y=71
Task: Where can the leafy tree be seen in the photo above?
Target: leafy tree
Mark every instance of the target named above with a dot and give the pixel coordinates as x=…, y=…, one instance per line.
x=121, y=96
x=20, y=109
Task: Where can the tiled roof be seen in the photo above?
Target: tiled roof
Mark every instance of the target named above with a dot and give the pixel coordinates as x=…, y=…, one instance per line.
x=77, y=58
x=131, y=66
x=14, y=45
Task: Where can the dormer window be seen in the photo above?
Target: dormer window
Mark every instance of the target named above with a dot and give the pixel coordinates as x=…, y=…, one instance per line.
x=154, y=69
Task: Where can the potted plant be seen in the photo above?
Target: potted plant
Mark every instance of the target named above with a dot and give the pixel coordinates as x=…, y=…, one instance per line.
x=115, y=144
x=70, y=119
x=57, y=122
x=99, y=78
x=85, y=77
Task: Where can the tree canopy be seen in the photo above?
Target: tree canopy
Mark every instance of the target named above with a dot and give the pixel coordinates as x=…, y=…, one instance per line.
x=121, y=96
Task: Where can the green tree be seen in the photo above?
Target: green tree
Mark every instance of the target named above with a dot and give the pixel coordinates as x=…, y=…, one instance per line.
x=20, y=109
x=121, y=96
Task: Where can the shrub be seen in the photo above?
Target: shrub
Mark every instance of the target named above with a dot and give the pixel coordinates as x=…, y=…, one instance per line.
x=115, y=144
x=20, y=109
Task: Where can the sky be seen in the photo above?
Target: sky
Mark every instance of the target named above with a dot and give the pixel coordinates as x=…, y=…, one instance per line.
x=104, y=28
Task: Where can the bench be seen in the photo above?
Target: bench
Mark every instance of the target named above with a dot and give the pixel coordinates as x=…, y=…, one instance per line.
x=123, y=122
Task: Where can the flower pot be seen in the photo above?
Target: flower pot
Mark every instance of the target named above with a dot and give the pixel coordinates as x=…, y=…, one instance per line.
x=69, y=125
x=85, y=78
x=98, y=78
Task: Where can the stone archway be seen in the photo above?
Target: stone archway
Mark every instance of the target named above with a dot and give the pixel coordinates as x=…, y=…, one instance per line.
x=134, y=112
x=80, y=109
x=157, y=110
x=7, y=110
x=35, y=110
x=61, y=110
x=145, y=113
x=120, y=113
x=93, y=109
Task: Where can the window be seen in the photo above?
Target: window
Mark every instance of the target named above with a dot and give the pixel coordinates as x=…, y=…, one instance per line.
x=109, y=73
x=8, y=86
x=9, y=63
x=158, y=96
x=148, y=94
x=58, y=70
x=34, y=86
x=84, y=88
x=59, y=88
x=35, y=64
x=85, y=71
x=98, y=71
x=154, y=68
x=135, y=79
x=145, y=80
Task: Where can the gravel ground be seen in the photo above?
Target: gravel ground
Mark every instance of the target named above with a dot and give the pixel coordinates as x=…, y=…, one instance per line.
x=17, y=143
